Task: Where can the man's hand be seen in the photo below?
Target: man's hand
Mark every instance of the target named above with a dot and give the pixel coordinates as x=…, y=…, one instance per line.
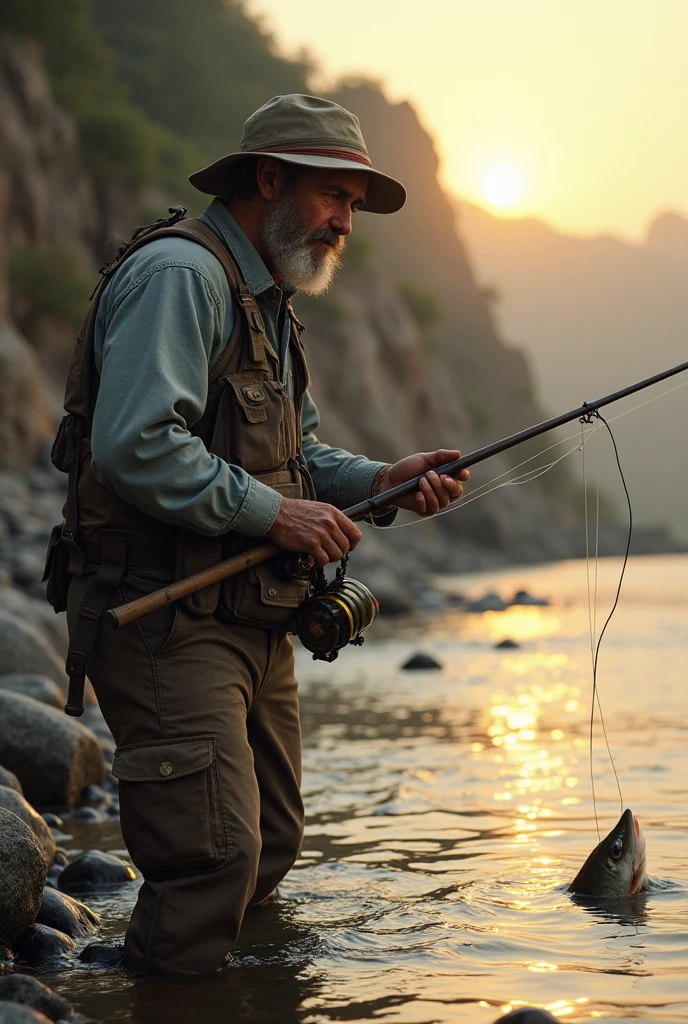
x=435, y=492
x=312, y=526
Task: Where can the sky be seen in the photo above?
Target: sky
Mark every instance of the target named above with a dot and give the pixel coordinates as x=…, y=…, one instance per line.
x=586, y=98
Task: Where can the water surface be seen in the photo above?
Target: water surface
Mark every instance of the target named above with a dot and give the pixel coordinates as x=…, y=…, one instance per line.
x=447, y=813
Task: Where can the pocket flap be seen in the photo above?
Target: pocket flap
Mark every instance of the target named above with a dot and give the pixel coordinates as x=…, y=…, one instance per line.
x=252, y=396
x=163, y=760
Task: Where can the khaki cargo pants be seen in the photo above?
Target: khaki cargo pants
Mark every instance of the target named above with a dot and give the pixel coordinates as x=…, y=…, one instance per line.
x=205, y=717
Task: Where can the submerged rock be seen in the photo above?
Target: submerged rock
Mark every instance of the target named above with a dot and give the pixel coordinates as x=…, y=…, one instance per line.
x=87, y=814
x=24, y=650
x=63, y=912
x=488, y=603
x=95, y=870
x=53, y=756
x=41, y=688
x=507, y=643
x=22, y=877
x=17, y=1013
x=40, y=945
x=421, y=660
x=102, y=954
x=527, y=1015
x=10, y=780
x=28, y=991
x=14, y=802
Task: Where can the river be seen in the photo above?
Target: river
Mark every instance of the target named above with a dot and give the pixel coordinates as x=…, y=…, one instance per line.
x=447, y=813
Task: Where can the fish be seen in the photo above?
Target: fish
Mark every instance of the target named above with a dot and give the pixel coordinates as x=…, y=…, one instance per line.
x=616, y=867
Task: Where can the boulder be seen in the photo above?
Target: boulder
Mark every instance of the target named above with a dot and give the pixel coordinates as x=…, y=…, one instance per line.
x=10, y=780
x=16, y=1013
x=28, y=991
x=23, y=649
x=22, y=877
x=25, y=417
x=421, y=660
x=41, y=688
x=53, y=756
x=14, y=802
x=41, y=945
x=93, y=871
x=60, y=911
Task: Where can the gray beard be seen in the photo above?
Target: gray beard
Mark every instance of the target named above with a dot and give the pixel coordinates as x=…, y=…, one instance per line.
x=292, y=251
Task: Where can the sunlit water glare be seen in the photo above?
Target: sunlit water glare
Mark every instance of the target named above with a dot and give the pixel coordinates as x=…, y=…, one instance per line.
x=447, y=813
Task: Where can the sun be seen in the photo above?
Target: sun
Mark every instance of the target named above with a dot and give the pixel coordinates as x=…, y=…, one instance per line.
x=502, y=184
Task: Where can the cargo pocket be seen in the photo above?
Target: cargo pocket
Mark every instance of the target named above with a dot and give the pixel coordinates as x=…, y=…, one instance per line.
x=56, y=573
x=259, y=597
x=170, y=801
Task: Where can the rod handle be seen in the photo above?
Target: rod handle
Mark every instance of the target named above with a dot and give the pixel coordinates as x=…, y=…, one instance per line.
x=133, y=610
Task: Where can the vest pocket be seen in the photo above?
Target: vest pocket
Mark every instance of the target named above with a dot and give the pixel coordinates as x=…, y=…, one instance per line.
x=250, y=429
x=170, y=802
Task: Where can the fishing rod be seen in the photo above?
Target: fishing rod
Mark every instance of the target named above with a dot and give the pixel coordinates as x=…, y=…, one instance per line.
x=338, y=612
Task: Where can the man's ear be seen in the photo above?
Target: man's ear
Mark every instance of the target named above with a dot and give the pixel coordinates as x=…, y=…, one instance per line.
x=269, y=177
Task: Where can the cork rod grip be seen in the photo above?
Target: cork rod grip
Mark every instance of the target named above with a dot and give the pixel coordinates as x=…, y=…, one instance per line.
x=127, y=613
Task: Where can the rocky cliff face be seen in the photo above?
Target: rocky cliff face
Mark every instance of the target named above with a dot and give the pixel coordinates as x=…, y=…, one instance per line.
x=386, y=382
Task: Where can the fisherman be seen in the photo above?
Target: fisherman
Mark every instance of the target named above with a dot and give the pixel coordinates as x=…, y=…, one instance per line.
x=200, y=435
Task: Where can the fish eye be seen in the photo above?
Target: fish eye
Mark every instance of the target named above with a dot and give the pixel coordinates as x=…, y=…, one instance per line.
x=616, y=849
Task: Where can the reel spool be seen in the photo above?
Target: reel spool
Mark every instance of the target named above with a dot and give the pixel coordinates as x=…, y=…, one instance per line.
x=337, y=614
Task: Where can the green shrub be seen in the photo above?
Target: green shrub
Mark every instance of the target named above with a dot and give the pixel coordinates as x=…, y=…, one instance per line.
x=48, y=282
x=425, y=307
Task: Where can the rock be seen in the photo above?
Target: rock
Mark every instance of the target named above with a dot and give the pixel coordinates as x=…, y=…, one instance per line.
x=40, y=945
x=22, y=877
x=21, y=988
x=40, y=688
x=507, y=644
x=14, y=802
x=24, y=650
x=66, y=914
x=95, y=870
x=488, y=603
x=52, y=820
x=87, y=814
x=25, y=417
x=102, y=954
x=420, y=660
x=527, y=1015
x=53, y=756
x=94, y=796
x=10, y=780
x=15, y=1013
x=524, y=598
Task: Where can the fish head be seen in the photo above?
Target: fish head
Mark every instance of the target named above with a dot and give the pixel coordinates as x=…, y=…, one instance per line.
x=616, y=867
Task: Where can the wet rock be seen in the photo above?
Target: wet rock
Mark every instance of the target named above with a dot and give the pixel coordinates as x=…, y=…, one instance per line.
x=87, y=814
x=527, y=1015
x=15, y=1013
x=22, y=877
x=101, y=954
x=53, y=756
x=52, y=820
x=14, y=802
x=421, y=660
x=28, y=991
x=524, y=598
x=66, y=914
x=23, y=649
x=40, y=688
x=488, y=603
x=41, y=945
x=95, y=870
x=94, y=796
x=507, y=644
x=10, y=780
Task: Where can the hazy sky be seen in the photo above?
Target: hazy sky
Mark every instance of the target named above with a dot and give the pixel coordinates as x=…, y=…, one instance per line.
x=587, y=98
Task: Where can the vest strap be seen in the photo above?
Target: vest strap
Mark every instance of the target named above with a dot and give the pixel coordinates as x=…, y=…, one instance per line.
x=96, y=599
x=255, y=323
x=70, y=527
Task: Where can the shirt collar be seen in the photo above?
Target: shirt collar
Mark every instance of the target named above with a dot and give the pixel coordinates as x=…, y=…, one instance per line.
x=256, y=275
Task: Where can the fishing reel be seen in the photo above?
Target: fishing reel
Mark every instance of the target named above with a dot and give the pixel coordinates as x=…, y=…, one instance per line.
x=336, y=613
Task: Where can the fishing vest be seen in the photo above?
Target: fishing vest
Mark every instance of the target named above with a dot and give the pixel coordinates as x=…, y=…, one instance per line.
x=250, y=420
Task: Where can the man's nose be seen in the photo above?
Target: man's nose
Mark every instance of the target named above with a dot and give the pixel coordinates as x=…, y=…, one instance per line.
x=341, y=222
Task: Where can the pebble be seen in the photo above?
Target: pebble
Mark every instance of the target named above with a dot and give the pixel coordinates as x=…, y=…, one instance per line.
x=95, y=870
x=89, y=814
x=101, y=954
x=53, y=820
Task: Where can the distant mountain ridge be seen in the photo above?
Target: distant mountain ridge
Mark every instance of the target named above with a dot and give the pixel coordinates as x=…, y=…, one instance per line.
x=595, y=314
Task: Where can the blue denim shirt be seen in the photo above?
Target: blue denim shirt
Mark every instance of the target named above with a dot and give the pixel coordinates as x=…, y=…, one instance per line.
x=164, y=320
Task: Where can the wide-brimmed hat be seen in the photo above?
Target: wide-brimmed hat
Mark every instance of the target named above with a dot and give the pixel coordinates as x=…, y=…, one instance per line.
x=310, y=131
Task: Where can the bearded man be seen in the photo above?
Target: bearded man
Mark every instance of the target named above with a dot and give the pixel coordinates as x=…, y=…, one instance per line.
x=188, y=405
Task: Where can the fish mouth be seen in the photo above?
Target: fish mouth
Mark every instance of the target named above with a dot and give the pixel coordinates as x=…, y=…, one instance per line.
x=639, y=858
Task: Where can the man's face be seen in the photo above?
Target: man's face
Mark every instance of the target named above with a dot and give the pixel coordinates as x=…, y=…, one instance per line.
x=305, y=228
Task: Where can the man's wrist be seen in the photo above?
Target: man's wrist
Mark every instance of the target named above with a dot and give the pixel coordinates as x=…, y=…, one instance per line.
x=379, y=481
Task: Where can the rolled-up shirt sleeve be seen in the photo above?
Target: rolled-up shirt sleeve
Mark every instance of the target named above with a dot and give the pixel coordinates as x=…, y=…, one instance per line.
x=161, y=326
x=340, y=478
